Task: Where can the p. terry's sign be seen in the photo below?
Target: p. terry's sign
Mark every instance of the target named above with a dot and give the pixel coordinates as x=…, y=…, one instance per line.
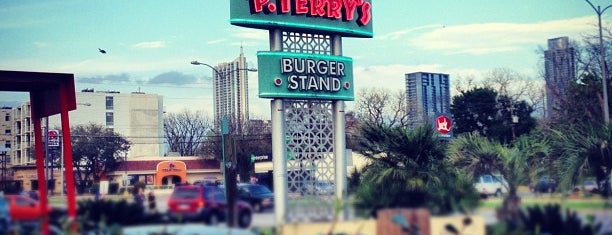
x=352, y=18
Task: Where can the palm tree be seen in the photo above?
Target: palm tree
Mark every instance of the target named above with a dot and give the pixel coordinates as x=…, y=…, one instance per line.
x=478, y=155
x=408, y=169
x=583, y=151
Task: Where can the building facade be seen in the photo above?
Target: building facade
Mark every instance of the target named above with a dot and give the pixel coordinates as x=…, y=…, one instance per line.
x=136, y=116
x=560, y=70
x=427, y=95
x=231, y=93
x=5, y=144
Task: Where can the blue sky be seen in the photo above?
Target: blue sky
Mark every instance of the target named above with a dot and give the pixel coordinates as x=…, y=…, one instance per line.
x=150, y=43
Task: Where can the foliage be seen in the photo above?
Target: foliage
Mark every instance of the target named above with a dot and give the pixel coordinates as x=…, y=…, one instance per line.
x=582, y=151
x=483, y=111
x=98, y=214
x=381, y=107
x=185, y=131
x=408, y=169
x=546, y=220
x=96, y=150
x=478, y=155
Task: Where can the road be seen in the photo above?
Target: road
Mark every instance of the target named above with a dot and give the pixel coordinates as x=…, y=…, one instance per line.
x=267, y=218
x=264, y=219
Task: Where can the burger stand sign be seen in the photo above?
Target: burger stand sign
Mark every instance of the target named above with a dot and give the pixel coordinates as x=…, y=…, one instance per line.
x=301, y=75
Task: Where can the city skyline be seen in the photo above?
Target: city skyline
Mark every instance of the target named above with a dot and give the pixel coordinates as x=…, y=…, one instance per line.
x=149, y=44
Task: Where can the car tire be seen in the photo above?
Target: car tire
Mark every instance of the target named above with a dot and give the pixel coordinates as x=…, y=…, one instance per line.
x=213, y=218
x=244, y=219
x=257, y=207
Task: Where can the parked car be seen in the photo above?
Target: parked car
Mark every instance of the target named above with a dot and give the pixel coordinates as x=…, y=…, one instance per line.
x=488, y=185
x=5, y=217
x=205, y=203
x=24, y=208
x=321, y=188
x=259, y=196
x=590, y=186
x=544, y=185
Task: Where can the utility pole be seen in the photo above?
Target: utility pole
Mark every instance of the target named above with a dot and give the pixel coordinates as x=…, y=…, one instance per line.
x=602, y=55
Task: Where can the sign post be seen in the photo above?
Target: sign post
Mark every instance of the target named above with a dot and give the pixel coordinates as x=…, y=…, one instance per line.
x=295, y=75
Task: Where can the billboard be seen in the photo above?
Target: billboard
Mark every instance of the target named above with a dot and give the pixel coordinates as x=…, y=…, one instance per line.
x=351, y=18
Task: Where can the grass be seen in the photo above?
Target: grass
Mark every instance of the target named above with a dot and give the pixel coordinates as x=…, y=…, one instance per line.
x=579, y=204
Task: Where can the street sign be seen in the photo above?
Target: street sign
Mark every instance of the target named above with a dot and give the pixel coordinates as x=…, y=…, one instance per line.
x=53, y=138
x=444, y=126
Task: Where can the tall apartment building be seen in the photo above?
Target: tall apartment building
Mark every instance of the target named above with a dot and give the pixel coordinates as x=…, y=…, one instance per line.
x=427, y=94
x=231, y=93
x=560, y=69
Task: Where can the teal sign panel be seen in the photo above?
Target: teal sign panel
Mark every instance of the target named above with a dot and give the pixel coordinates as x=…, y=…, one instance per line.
x=350, y=18
x=305, y=76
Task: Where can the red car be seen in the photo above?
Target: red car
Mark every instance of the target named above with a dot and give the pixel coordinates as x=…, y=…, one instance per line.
x=24, y=208
x=205, y=203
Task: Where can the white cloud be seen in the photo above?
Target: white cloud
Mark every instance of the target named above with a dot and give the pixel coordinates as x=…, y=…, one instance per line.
x=488, y=38
x=150, y=45
x=40, y=44
x=388, y=76
x=404, y=32
x=250, y=34
x=216, y=41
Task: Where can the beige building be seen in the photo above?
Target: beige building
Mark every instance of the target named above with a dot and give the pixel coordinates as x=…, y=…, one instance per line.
x=136, y=116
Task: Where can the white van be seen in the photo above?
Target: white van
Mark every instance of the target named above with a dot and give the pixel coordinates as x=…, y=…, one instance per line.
x=488, y=185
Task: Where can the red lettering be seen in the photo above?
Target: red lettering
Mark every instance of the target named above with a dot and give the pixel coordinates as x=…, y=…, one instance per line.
x=301, y=7
x=334, y=9
x=317, y=7
x=366, y=14
x=257, y=5
x=285, y=6
x=349, y=8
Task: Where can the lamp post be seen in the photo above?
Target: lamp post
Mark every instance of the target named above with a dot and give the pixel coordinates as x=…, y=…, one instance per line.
x=602, y=53
x=229, y=179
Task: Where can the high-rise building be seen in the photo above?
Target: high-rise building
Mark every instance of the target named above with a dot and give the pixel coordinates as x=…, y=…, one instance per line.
x=560, y=69
x=231, y=93
x=427, y=95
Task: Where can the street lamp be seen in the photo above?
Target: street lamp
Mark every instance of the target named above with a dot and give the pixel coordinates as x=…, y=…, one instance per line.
x=599, y=12
x=228, y=178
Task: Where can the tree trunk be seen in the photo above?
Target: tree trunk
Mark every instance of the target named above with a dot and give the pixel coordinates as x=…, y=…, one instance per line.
x=510, y=207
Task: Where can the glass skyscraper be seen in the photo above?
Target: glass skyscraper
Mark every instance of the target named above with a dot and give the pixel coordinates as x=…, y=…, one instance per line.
x=427, y=95
x=560, y=69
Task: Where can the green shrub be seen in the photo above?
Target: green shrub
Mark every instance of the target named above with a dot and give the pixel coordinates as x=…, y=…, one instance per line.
x=546, y=220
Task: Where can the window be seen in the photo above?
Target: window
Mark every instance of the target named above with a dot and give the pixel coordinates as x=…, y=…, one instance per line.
x=7, y=131
x=109, y=119
x=7, y=118
x=109, y=103
x=7, y=144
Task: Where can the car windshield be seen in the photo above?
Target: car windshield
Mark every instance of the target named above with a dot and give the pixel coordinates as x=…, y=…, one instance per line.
x=259, y=189
x=185, y=193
